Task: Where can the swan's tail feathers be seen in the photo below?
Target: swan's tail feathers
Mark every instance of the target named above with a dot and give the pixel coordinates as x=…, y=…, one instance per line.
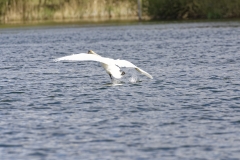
x=143, y=72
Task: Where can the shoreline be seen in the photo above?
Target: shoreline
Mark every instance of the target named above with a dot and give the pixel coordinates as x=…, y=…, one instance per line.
x=111, y=22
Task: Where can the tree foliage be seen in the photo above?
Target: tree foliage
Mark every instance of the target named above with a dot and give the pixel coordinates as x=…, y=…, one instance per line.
x=192, y=9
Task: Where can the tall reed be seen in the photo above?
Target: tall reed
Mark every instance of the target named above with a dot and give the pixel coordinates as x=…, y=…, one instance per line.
x=31, y=10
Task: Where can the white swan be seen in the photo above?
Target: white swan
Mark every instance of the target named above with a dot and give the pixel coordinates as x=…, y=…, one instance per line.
x=111, y=66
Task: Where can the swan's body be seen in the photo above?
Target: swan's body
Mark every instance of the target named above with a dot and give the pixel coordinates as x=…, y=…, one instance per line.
x=111, y=66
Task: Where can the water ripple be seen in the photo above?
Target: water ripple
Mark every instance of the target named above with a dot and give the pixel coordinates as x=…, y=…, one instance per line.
x=190, y=110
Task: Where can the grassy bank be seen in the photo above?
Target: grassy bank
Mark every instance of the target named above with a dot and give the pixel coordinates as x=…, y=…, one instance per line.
x=38, y=10
x=192, y=9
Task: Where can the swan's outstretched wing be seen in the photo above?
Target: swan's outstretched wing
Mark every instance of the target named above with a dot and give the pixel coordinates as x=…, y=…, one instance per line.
x=108, y=61
x=124, y=63
x=144, y=72
x=86, y=57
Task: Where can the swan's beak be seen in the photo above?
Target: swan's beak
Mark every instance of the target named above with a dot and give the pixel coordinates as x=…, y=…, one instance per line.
x=91, y=52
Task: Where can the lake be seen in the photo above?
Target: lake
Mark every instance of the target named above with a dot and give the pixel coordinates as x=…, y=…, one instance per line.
x=70, y=110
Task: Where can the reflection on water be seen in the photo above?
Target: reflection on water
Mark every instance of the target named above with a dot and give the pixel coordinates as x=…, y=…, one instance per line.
x=190, y=110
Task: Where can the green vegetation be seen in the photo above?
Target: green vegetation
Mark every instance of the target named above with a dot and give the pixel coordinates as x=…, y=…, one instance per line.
x=95, y=10
x=192, y=9
x=59, y=10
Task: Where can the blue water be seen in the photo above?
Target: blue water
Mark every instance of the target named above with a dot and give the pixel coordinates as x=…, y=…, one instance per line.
x=62, y=110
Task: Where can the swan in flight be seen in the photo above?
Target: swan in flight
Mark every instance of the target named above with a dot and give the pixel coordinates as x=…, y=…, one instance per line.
x=111, y=66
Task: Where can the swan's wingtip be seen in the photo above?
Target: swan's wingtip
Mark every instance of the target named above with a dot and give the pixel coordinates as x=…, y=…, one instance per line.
x=149, y=76
x=56, y=60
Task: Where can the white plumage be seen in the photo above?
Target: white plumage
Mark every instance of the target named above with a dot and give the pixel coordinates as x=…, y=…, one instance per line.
x=111, y=66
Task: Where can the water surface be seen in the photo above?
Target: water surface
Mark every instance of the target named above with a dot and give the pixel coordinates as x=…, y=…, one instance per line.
x=62, y=110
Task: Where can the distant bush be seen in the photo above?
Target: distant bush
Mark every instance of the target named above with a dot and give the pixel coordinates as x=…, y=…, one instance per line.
x=192, y=9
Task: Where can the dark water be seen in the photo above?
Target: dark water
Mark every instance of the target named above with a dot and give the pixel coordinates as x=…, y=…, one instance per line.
x=61, y=110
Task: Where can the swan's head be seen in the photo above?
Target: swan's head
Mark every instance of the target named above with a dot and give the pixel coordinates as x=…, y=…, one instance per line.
x=91, y=52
